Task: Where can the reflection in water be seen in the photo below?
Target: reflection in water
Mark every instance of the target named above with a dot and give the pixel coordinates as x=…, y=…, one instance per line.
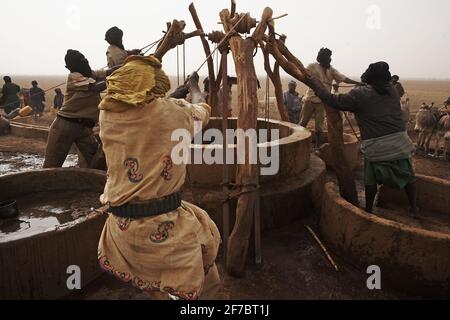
x=44, y=211
x=14, y=162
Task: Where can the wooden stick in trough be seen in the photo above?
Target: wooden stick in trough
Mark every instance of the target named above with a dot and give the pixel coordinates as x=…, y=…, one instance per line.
x=293, y=66
x=322, y=246
x=247, y=174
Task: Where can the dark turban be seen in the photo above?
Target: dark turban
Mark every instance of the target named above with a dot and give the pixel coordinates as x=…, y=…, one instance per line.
x=76, y=62
x=378, y=76
x=7, y=79
x=114, y=37
x=324, y=55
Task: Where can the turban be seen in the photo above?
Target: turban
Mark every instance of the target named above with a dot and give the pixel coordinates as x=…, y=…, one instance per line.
x=114, y=36
x=139, y=81
x=378, y=75
x=324, y=53
x=76, y=62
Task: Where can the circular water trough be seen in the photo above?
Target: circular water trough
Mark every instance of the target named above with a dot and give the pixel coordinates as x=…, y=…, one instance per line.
x=289, y=195
x=55, y=229
x=414, y=255
x=294, y=148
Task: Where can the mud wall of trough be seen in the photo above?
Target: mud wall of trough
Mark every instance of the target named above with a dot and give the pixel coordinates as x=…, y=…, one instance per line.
x=432, y=194
x=412, y=260
x=36, y=267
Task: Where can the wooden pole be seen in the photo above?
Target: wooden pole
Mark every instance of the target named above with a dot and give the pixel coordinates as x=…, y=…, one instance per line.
x=247, y=174
x=226, y=176
x=275, y=77
x=213, y=88
x=295, y=68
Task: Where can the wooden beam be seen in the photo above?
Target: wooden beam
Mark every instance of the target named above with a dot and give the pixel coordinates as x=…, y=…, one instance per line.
x=247, y=174
x=213, y=87
x=275, y=77
x=293, y=66
x=174, y=37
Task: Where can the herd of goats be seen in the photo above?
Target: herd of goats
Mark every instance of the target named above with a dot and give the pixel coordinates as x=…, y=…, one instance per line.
x=433, y=122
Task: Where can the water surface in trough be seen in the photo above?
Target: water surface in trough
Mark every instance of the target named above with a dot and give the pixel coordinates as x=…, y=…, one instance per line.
x=44, y=211
x=15, y=162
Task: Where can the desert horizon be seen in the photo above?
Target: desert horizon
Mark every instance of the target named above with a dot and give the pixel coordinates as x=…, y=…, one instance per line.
x=418, y=90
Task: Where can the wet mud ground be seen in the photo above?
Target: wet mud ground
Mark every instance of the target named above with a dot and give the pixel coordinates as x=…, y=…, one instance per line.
x=15, y=162
x=294, y=266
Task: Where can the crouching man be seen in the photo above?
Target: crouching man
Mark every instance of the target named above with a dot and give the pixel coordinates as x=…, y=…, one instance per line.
x=152, y=239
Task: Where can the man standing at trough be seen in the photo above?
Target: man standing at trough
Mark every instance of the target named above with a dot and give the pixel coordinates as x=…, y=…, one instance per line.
x=152, y=239
x=293, y=102
x=37, y=96
x=116, y=53
x=79, y=113
x=326, y=74
x=385, y=144
x=10, y=98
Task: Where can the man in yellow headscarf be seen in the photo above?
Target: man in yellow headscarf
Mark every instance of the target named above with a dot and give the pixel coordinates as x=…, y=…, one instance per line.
x=152, y=239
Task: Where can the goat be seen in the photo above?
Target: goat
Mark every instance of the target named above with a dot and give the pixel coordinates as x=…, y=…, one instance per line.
x=426, y=121
x=443, y=132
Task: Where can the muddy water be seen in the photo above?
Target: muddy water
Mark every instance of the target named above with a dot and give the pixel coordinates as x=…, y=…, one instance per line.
x=14, y=162
x=41, y=212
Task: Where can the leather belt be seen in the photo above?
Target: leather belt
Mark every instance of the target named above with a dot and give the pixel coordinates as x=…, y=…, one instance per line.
x=148, y=209
x=82, y=121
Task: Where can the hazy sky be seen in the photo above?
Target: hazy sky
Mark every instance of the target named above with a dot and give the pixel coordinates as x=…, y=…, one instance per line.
x=412, y=35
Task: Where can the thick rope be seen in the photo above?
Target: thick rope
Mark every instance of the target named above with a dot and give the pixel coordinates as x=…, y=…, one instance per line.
x=225, y=38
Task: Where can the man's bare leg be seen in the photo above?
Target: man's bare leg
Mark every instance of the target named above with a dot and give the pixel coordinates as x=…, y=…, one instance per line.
x=371, y=193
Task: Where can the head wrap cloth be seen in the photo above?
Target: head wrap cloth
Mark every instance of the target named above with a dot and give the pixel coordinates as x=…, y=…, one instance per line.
x=379, y=76
x=139, y=81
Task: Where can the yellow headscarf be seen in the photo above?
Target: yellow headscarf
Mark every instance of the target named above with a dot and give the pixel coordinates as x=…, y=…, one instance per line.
x=139, y=81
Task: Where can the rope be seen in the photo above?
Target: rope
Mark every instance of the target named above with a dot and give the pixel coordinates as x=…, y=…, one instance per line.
x=178, y=65
x=149, y=46
x=184, y=61
x=351, y=126
x=267, y=114
x=221, y=42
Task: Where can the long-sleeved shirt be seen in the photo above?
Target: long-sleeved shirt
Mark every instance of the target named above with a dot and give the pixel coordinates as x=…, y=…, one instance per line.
x=79, y=101
x=115, y=56
x=292, y=102
x=326, y=77
x=401, y=91
x=10, y=96
x=377, y=115
x=37, y=96
x=58, y=101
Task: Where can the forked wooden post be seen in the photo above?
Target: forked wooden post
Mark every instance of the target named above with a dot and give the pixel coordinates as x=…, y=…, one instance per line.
x=247, y=174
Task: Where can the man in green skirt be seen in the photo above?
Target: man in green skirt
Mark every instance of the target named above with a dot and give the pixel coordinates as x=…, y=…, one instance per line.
x=385, y=144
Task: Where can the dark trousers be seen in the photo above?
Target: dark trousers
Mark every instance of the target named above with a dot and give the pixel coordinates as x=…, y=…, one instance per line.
x=62, y=135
